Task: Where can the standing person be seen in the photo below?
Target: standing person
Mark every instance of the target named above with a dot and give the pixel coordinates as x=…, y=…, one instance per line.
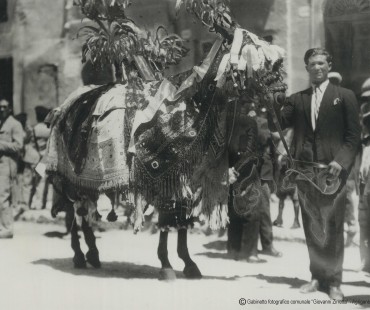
x=266, y=172
x=364, y=201
x=349, y=218
x=41, y=134
x=11, y=144
x=244, y=211
x=326, y=126
x=23, y=165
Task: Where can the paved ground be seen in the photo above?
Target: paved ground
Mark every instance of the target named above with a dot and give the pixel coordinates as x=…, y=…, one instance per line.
x=36, y=273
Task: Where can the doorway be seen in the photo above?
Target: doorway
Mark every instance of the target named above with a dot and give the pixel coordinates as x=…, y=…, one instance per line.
x=6, y=79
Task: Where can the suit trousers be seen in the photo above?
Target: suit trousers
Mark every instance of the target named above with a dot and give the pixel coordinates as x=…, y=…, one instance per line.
x=265, y=227
x=243, y=232
x=326, y=260
x=6, y=210
x=364, y=223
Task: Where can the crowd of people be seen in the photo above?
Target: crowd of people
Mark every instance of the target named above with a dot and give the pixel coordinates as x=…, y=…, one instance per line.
x=21, y=148
x=322, y=127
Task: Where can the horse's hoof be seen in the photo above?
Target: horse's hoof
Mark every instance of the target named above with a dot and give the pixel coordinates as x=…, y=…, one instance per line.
x=92, y=257
x=295, y=225
x=167, y=274
x=192, y=272
x=79, y=261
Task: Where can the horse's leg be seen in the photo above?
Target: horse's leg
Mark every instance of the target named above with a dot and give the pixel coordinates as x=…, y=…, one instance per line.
x=166, y=272
x=79, y=257
x=112, y=216
x=279, y=220
x=92, y=256
x=296, y=214
x=191, y=270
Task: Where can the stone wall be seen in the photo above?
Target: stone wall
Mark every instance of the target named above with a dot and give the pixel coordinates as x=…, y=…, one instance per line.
x=41, y=38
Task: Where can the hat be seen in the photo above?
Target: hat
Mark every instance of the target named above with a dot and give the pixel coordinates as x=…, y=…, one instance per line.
x=335, y=76
x=365, y=88
x=41, y=113
x=22, y=118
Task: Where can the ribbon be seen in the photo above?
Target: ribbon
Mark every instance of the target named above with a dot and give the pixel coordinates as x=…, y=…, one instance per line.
x=252, y=56
x=222, y=69
x=236, y=46
x=167, y=91
x=200, y=71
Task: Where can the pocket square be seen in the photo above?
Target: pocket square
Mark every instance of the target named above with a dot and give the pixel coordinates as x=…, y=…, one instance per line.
x=336, y=101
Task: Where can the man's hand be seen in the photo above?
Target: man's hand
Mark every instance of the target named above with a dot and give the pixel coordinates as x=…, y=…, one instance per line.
x=233, y=175
x=335, y=169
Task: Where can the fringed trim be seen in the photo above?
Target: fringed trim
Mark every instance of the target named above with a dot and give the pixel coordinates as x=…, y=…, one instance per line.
x=173, y=180
x=92, y=186
x=219, y=217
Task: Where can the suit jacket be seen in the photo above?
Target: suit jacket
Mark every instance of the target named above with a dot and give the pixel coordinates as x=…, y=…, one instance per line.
x=243, y=139
x=265, y=150
x=337, y=133
x=11, y=143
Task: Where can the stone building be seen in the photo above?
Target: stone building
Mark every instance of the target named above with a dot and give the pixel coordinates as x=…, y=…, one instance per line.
x=40, y=54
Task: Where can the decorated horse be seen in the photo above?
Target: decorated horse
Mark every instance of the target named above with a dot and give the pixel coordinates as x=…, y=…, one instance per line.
x=160, y=141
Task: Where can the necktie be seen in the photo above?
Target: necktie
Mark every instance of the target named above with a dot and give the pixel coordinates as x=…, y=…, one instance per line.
x=316, y=106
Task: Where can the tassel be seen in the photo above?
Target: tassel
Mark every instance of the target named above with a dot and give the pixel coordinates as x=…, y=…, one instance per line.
x=97, y=216
x=112, y=216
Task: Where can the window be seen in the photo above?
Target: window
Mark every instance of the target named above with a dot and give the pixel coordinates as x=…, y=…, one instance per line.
x=3, y=11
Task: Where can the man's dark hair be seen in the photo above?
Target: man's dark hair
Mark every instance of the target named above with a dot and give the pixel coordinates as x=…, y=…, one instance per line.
x=41, y=113
x=317, y=51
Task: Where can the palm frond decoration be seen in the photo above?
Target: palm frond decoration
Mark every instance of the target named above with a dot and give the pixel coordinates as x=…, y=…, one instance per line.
x=114, y=39
x=209, y=12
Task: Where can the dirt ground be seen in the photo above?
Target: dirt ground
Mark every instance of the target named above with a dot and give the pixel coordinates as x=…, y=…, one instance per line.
x=36, y=272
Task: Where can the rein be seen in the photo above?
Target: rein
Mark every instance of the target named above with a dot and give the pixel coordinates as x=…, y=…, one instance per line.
x=325, y=183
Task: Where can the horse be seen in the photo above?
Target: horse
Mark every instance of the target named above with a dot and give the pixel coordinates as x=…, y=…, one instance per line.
x=165, y=133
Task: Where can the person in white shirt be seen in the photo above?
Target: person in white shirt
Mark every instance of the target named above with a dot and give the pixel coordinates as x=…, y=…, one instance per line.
x=325, y=119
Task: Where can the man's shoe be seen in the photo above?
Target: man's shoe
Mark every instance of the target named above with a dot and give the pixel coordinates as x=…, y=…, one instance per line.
x=6, y=234
x=254, y=259
x=233, y=254
x=336, y=293
x=271, y=252
x=310, y=287
x=364, y=267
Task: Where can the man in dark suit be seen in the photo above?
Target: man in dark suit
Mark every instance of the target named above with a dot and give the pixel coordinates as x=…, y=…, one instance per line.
x=244, y=202
x=266, y=172
x=325, y=120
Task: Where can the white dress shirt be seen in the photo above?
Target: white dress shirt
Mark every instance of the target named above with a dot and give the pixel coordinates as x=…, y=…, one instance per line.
x=317, y=94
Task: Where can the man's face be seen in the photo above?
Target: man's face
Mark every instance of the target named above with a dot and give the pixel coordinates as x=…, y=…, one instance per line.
x=318, y=68
x=4, y=109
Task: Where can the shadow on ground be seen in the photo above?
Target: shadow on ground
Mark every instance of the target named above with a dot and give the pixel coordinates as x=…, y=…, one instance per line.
x=358, y=283
x=218, y=245
x=293, y=282
x=122, y=270
x=221, y=255
x=55, y=234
